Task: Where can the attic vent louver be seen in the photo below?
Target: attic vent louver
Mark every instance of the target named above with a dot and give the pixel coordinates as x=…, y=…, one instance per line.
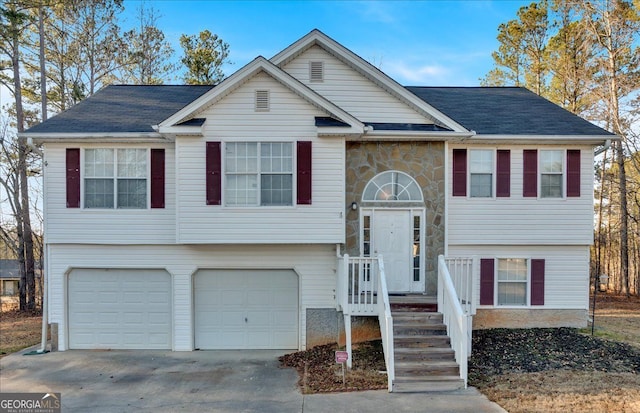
x=262, y=100
x=316, y=71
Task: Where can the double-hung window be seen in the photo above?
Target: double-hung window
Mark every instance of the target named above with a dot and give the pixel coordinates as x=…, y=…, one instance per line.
x=481, y=173
x=258, y=173
x=551, y=173
x=512, y=281
x=115, y=178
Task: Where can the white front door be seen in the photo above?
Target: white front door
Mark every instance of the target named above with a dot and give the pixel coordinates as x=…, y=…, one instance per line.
x=392, y=238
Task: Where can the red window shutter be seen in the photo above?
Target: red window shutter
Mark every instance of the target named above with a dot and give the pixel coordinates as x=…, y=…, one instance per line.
x=537, y=282
x=503, y=168
x=487, y=273
x=459, y=172
x=530, y=173
x=73, y=178
x=157, y=178
x=304, y=191
x=573, y=172
x=214, y=173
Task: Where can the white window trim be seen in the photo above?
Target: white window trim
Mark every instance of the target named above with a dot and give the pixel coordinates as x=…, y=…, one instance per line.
x=496, y=281
x=564, y=174
x=494, y=173
x=294, y=178
x=115, y=192
x=392, y=201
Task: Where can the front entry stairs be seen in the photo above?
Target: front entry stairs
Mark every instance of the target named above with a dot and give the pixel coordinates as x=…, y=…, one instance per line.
x=424, y=360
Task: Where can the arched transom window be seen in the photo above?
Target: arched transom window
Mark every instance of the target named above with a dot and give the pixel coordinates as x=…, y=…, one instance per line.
x=392, y=186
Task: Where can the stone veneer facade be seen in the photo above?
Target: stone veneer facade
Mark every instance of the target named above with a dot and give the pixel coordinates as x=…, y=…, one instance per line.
x=424, y=162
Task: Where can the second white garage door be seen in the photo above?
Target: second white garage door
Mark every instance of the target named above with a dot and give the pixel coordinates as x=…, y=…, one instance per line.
x=246, y=309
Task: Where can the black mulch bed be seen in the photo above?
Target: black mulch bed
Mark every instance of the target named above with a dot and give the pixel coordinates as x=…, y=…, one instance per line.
x=500, y=351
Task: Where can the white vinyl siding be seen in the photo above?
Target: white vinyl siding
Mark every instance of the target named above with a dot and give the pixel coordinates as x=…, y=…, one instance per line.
x=517, y=220
x=314, y=264
x=350, y=90
x=232, y=120
x=566, y=270
x=104, y=226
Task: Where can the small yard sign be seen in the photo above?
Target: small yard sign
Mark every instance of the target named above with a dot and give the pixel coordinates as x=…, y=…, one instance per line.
x=342, y=356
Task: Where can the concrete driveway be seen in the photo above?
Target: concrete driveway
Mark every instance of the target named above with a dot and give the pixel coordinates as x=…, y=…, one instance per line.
x=211, y=381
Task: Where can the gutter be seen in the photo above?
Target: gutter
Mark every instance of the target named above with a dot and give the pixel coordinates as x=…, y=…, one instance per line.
x=607, y=145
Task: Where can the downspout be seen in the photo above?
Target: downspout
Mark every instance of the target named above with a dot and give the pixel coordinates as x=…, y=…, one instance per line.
x=44, y=269
x=45, y=299
x=607, y=145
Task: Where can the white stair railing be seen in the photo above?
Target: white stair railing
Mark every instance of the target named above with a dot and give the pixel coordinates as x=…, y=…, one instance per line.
x=386, y=323
x=362, y=291
x=458, y=322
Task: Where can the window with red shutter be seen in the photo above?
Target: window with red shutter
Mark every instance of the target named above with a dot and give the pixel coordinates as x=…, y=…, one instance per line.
x=530, y=173
x=459, y=172
x=573, y=173
x=157, y=178
x=73, y=177
x=487, y=274
x=503, y=175
x=214, y=173
x=304, y=160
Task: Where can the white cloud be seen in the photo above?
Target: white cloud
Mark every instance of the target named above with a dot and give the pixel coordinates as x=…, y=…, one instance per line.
x=424, y=74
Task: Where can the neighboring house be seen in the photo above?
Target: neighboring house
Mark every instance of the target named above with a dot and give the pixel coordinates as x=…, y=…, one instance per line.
x=10, y=281
x=201, y=217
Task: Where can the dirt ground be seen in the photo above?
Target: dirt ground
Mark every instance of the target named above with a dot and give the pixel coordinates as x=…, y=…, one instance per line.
x=18, y=331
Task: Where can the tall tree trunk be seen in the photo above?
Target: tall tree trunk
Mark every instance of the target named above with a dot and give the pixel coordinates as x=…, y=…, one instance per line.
x=624, y=220
x=27, y=277
x=43, y=77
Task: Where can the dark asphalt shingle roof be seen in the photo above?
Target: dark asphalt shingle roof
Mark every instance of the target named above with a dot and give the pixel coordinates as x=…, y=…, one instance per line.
x=505, y=111
x=409, y=127
x=123, y=108
x=486, y=110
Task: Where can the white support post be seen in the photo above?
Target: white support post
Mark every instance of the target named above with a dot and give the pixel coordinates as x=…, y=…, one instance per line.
x=347, y=334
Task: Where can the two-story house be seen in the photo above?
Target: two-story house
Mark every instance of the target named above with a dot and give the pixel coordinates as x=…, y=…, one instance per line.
x=201, y=217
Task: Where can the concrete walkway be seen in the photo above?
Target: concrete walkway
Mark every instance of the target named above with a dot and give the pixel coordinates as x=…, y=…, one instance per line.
x=211, y=381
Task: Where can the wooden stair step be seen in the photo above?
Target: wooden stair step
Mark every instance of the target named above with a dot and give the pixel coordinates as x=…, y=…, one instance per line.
x=416, y=314
x=423, y=368
x=403, y=307
x=400, y=341
x=425, y=353
x=427, y=384
x=420, y=330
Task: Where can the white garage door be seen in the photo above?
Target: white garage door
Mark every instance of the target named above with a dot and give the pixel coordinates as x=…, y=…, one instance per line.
x=246, y=309
x=119, y=309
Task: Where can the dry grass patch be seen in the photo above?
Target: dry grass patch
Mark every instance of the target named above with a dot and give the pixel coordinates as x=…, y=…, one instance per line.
x=18, y=331
x=561, y=391
x=618, y=318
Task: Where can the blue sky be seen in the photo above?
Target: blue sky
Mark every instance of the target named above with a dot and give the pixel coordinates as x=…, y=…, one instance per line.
x=431, y=43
